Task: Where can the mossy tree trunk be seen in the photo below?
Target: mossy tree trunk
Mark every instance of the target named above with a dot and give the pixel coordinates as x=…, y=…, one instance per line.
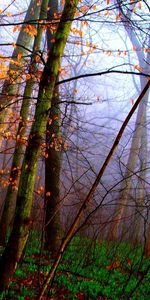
x=52, y=179
x=52, y=160
x=9, y=204
x=22, y=220
x=11, y=85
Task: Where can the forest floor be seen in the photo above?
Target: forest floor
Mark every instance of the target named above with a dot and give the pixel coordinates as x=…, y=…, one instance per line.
x=89, y=270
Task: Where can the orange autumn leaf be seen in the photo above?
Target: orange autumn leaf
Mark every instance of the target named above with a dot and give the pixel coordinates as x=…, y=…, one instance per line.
x=48, y=194
x=77, y=31
x=134, y=9
x=84, y=9
x=19, y=56
x=37, y=58
x=114, y=265
x=140, y=5
x=46, y=155
x=8, y=14
x=14, y=45
x=118, y=17
x=146, y=50
x=63, y=2
x=3, y=70
x=16, y=28
x=53, y=40
x=94, y=7
x=30, y=29
x=128, y=262
x=118, y=52
x=134, y=48
x=85, y=23
x=132, y=101
x=28, y=76
x=107, y=13
x=137, y=67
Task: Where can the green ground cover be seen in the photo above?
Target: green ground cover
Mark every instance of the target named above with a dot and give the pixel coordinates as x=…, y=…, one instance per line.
x=88, y=270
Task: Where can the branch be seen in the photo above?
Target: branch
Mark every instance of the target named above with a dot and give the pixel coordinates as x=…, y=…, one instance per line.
x=16, y=45
x=101, y=73
x=77, y=219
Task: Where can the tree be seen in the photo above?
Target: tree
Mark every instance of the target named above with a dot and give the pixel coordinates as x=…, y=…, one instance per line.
x=9, y=204
x=52, y=159
x=20, y=231
x=46, y=122
x=11, y=84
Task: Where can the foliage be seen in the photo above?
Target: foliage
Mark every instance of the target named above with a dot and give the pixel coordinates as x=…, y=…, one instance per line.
x=89, y=270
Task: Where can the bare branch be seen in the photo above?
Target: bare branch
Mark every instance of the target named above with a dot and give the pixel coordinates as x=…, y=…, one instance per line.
x=83, y=207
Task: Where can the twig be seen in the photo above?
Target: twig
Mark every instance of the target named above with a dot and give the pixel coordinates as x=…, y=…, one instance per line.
x=77, y=219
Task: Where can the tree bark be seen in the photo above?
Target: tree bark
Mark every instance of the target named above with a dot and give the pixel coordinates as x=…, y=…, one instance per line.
x=10, y=89
x=52, y=160
x=52, y=179
x=10, y=199
x=22, y=221
x=137, y=232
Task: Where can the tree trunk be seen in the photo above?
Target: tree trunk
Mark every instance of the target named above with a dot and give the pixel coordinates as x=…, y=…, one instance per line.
x=22, y=221
x=52, y=179
x=52, y=161
x=137, y=232
x=114, y=231
x=10, y=87
x=10, y=199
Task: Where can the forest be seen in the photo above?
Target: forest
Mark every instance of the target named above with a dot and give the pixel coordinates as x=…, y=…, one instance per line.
x=74, y=149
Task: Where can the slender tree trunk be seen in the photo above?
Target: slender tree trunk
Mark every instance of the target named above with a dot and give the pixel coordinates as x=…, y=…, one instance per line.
x=138, y=220
x=52, y=179
x=10, y=199
x=52, y=161
x=114, y=230
x=22, y=221
x=11, y=85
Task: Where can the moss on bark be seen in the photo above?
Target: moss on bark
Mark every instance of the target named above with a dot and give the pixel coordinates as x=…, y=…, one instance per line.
x=10, y=199
x=19, y=235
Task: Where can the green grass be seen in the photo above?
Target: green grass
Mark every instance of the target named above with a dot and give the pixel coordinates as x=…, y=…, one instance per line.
x=88, y=270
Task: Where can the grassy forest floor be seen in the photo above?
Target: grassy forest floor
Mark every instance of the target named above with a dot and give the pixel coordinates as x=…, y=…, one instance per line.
x=89, y=270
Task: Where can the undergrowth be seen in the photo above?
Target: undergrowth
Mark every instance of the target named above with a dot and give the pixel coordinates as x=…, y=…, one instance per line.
x=88, y=270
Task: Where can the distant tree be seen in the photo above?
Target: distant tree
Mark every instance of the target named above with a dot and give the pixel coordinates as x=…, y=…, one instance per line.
x=138, y=144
